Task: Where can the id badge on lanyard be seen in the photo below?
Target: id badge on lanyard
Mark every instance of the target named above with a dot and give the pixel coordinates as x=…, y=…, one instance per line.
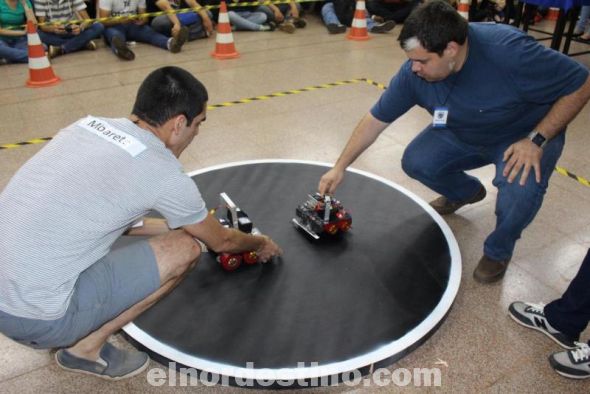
x=439, y=118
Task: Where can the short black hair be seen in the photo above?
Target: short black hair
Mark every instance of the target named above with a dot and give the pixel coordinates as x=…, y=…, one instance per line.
x=434, y=24
x=168, y=92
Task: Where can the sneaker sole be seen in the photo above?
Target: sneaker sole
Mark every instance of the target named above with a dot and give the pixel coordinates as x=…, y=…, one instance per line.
x=105, y=377
x=556, y=367
x=524, y=324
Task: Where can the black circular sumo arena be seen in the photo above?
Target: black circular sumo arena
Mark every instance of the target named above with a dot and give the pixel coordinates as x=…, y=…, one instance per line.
x=326, y=307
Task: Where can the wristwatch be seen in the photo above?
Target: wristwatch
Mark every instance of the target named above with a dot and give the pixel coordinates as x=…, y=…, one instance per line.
x=537, y=138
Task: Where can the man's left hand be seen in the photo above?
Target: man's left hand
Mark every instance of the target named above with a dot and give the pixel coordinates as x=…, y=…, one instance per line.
x=522, y=155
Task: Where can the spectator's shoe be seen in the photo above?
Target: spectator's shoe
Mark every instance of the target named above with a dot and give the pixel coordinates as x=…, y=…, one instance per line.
x=574, y=363
x=122, y=51
x=54, y=51
x=3, y=61
x=383, y=27
x=445, y=207
x=113, y=363
x=299, y=23
x=377, y=18
x=533, y=316
x=287, y=27
x=334, y=28
x=490, y=271
x=271, y=26
x=175, y=43
x=90, y=45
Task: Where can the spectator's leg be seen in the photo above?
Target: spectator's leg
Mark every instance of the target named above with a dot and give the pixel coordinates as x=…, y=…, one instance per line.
x=571, y=313
x=145, y=33
x=15, y=51
x=75, y=43
x=246, y=20
x=162, y=25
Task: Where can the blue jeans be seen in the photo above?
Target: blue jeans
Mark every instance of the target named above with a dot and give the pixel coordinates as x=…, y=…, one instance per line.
x=70, y=42
x=139, y=33
x=438, y=159
x=246, y=20
x=582, y=24
x=570, y=314
x=284, y=8
x=14, y=49
x=192, y=20
x=330, y=18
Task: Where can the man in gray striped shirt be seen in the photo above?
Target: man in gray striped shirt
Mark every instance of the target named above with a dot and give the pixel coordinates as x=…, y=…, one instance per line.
x=61, y=35
x=61, y=282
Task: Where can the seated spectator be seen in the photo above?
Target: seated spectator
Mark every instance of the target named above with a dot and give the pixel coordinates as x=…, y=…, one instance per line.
x=199, y=23
x=392, y=10
x=247, y=18
x=13, y=38
x=134, y=28
x=61, y=36
x=285, y=16
x=338, y=14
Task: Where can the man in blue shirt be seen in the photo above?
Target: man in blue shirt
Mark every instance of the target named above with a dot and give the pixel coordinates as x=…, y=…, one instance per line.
x=496, y=97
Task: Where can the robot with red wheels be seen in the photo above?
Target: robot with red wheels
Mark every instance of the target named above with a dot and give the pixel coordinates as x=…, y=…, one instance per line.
x=322, y=215
x=236, y=218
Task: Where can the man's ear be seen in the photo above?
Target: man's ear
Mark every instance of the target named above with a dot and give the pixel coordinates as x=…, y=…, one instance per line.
x=452, y=49
x=179, y=123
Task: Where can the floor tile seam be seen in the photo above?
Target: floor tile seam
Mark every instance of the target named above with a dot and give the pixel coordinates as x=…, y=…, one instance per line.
x=533, y=274
x=14, y=377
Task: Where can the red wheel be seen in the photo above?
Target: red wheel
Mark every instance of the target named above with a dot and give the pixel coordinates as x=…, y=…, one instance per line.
x=344, y=221
x=230, y=262
x=250, y=257
x=331, y=228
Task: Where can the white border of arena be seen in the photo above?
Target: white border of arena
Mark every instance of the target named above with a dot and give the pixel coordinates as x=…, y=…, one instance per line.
x=382, y=353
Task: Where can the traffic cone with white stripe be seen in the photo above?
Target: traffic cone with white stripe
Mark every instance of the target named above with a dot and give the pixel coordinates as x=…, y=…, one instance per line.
x=40, y=71
x=358, y=29
x=224, y=39
x=463, y=8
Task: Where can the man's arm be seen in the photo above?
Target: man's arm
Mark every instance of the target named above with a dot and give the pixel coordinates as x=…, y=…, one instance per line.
x=164, y=5
x=524, y=154
x=222, y=239
x=207, y=23
x=365, y=133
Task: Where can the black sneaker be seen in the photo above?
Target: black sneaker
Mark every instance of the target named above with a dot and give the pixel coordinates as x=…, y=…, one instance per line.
x=532, y=316
x=175, y=44
x=383, y=27
x=573, y=364
x=54, y=51
x=121, y=50
x=299, y=23
x=287, y=27
x=334, y=28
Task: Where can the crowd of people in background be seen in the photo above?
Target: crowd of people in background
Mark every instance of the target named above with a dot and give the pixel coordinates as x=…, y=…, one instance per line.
x=62, y=31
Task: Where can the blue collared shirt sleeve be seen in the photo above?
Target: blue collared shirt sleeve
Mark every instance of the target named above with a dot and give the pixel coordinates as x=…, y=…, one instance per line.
x=399, y=96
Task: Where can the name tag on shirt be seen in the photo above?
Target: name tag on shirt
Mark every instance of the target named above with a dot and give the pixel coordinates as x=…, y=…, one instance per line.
x=115, y=136
x=439, y=118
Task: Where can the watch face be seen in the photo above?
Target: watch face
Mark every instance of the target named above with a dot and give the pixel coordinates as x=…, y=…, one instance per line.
x=538, y=139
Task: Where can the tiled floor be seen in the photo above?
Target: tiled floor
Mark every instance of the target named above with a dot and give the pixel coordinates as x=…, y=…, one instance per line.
x=478, y=348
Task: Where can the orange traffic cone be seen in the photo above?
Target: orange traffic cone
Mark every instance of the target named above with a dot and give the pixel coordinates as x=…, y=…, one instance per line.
x=358, y=29
x=463, y=8
x=40, y=71
x=224, y=39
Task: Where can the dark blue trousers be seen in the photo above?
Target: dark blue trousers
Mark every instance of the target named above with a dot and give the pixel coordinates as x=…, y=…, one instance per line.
x=570, y=314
